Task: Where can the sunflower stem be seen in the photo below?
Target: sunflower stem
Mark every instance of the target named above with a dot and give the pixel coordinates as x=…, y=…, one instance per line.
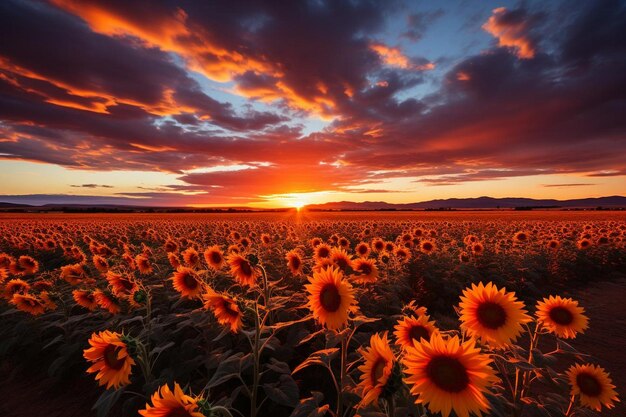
x=256, y=354
x=392, y=406
x=569, y=407
x=342, y=375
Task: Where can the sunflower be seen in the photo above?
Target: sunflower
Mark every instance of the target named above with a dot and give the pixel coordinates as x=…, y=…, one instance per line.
x=322, y=251
x=5, y=261
x=47, y=300
x=28, y=303
x=362, y=249
x=449, y=375
x=143, y=264
x=377, y=369
x=28, y=264
x=520, y=237
x=366, y=269
x=330, y=298
x=121, y=286
x=341, y=258
x=173, y=259
x=562, y=316
x=214, y=257
x=495, y=316
x=168, y=403
x=554, y=244
x=191, y=257
x=74, y=274
x=323, y=263
x=110, y=358
x=100, y=263
x=86, y=299
x=315, y=242
x=225, y=309
x=15, y=286
x=427, y=247
x=170, y=246
x=107, y=301
x=402, y=254
x=378, y=244
x=593, y=384
x=242, y=270
x=294, y=262
x=414, y=329
x=187, y=282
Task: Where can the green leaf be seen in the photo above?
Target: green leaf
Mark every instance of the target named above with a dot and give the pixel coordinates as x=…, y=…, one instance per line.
x=310, y=407
x=283, y=392
x=321, y=357
x=106, y=401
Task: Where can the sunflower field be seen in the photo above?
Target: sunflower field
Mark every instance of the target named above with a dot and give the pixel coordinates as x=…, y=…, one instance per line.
x=309, y=314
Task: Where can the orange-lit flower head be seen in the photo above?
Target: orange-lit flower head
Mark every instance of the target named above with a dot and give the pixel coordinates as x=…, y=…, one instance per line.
x=242, y=270
x=225, y=309
x=448, y=375
x=491, y=314
x=171, y=403
x=110, y=359
x=593, y=385
x=377, y=369
x=330, y=298
x=562, y=316
x=214, y=257
x=187, y=282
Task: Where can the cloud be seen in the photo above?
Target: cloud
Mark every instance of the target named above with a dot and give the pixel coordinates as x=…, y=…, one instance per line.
x=574, y=184
x=511, y=28
x=130, y=92
x=91, y=186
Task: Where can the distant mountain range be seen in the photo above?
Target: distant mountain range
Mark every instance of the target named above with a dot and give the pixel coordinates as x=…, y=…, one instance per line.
x=475, y=203
x=451, y=203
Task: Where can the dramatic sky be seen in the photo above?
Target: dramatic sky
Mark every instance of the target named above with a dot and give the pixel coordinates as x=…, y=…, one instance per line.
x=269, y=103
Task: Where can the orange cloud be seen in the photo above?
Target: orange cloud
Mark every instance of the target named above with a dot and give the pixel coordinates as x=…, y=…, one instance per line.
x=84, y=99
x=171, y=33
x=395, y=58
x=511, y=33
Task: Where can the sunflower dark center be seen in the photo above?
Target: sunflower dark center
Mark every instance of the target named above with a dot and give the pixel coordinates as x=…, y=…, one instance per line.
x=111, y=358
x=127, y=284
x=491, y=315
x=341, y=262
x=246, y=268
x=427, y=246
x=419, y=332
x=448, y=373
x=362, y=250
x=190, y=281
x=323, y=252
x=365, y=269
x=378, y=370
x=295, y=262
x=216, y=258
x=588, y=384
x=178, y=412
x=330, y=298
x=561, y=315
x=230, y=309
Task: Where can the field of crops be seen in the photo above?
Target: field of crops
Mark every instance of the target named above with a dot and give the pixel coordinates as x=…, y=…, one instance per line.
x=308, y=314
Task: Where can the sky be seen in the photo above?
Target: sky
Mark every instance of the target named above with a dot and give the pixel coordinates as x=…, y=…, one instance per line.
x=283, y=103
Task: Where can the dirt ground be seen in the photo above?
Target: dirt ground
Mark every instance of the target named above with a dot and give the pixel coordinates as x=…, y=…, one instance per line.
x=605, y=340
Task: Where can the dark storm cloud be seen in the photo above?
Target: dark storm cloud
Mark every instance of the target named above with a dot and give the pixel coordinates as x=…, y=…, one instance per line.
x=89, y=84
